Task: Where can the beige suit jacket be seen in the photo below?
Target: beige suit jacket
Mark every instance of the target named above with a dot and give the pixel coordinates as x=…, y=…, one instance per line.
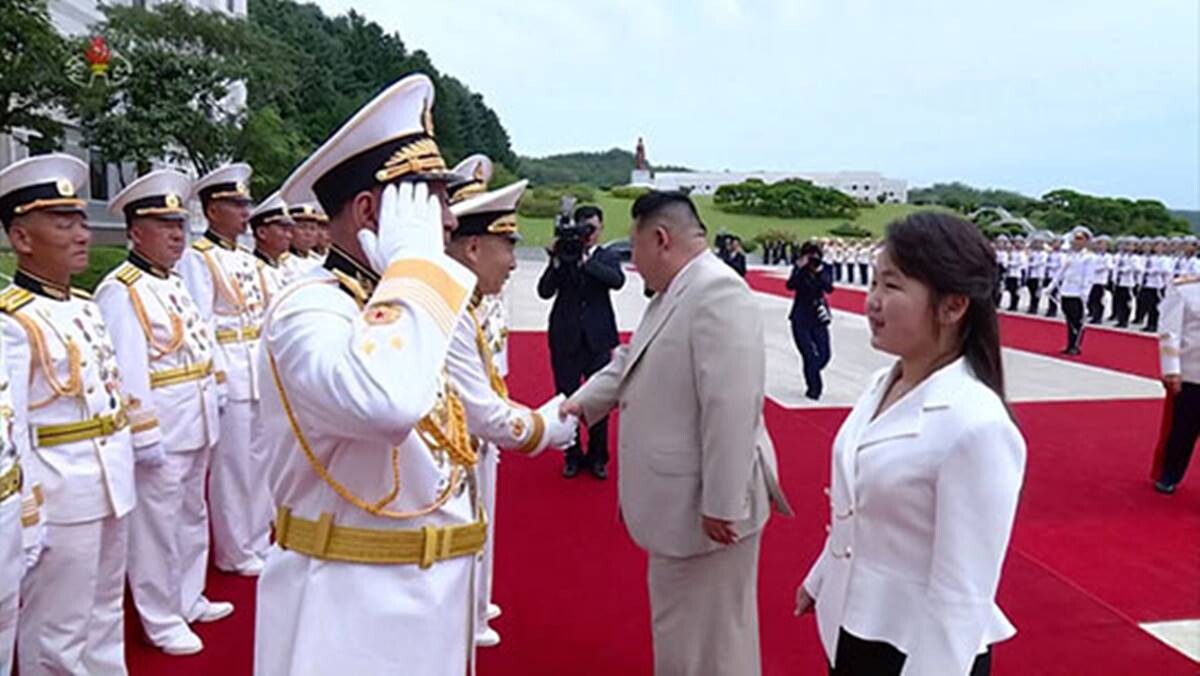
x=689, y=388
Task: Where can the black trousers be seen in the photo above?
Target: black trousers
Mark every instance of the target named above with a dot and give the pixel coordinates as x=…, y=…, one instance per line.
x=1149, y=299
x=860, y=657
x=570, y=370
x=1073, y=310
x=1013, y=286
x=862, y=273
x=812, y=341
x=1140, y=315
x=1121, y=307
x=1181, y=440
x=1095, y=304
x=1034, y=285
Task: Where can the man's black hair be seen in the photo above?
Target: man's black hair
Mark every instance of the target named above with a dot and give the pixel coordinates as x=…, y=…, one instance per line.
x=587, y=211
x=655, y=201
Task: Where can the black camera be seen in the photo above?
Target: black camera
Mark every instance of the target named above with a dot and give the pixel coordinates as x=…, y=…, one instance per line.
x=814, y=254
x=570, y=238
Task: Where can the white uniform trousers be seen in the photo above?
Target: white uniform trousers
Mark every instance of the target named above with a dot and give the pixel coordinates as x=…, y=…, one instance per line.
x=489, y=463
x=156, y=541
x=12, y=566
x=318, y=617
x=237, y=490
x=193, y=535
x=705, y=612
x=72, y=620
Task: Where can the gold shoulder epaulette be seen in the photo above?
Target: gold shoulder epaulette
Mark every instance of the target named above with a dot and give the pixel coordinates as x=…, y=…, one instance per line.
x=80, y=293
x=128, y=274
x=202, y=244
x=14, y=298
x=1186, y=279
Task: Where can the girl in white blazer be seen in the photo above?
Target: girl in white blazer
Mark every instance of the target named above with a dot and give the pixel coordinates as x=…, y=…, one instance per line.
x=926, y=470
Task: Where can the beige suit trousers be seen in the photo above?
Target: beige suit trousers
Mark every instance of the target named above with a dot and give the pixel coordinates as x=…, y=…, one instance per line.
x=705, y=612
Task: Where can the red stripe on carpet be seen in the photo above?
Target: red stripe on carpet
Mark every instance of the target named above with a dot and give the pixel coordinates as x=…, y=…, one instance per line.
x=1116, y=350
x=1095, y=549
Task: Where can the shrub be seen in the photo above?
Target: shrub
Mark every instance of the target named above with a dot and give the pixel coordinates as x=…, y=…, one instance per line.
x=850, y=230
x=793, y=198
x=628, y=192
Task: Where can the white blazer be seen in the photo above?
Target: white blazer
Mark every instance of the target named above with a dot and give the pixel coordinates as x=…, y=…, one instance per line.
x=922, y=501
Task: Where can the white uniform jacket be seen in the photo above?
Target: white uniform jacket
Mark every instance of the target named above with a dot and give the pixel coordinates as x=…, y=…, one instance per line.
x=350, y=390
x=57, y=343
x=1179, y=327
x=491, y=416
x=223, y=280
x=1074, y=278
x=922, y=503
x=165, y=349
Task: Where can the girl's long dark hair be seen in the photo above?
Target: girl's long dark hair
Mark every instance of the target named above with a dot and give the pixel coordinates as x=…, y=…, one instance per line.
x=953, y=257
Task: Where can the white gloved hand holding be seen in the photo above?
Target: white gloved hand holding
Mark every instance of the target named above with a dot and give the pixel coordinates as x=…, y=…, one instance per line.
x=410, y=226
x=149, y=457
x=560, y=429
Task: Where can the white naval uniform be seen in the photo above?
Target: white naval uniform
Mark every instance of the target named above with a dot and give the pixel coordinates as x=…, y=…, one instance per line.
x=20, y=521
x=1054, y=263
x=295, y=265
x=165, y=349
x=1074, y=278
x=492, y=418
x=71, y=619
x=1130, y=268
x=272, y=277
x=357, y=383
x=1037, y=265
x=223, y=280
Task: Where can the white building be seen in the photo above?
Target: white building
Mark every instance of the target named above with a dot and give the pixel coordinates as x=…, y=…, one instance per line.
x=866, y=186
x=73, y=18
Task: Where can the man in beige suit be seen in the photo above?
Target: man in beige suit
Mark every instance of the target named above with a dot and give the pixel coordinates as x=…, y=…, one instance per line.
x=697, y=469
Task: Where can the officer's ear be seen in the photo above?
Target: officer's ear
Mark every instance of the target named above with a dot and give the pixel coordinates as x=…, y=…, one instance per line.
x=20, y=235
x=364, y=208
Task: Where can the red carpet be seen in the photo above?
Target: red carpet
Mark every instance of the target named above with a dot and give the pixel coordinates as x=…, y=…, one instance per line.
x=1095, y=550
x=1116, y=350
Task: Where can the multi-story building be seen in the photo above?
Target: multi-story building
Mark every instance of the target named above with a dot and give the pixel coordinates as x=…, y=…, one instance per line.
x=865, y=186
x=74, y=18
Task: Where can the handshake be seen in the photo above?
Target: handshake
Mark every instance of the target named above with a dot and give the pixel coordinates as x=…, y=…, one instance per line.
x=561, y=427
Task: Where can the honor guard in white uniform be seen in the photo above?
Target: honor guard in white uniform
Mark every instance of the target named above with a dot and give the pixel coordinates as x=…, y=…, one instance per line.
x=1037, y=270
x=484, y=242
x=223, y=280
x=1159, y=272
x=165, y=353
x=1102, y=267
x=1072, y=284
x=272, y=227
x=1179, y=344
x=309, y=221
x=370, y=465
x=64, y=374
x=1054, y=262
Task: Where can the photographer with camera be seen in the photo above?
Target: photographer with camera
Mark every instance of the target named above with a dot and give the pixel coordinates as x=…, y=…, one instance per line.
x=811, y=279
x=583, y=328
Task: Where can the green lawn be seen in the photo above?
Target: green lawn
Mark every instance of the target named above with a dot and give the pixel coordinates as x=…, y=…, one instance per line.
x=539, y=231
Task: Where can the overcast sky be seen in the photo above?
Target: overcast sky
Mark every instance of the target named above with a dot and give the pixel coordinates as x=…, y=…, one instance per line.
x=1100, y=95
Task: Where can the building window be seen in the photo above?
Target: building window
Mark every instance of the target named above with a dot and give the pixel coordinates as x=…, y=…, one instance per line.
x=229, y=5
x=99, y=175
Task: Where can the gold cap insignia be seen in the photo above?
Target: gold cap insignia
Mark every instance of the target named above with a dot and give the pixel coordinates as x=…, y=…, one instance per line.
x=65, y=187
x=479, y=172
x=240, y=187
x=172, y=200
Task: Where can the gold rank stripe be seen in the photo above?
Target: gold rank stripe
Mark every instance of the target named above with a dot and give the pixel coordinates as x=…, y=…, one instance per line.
x=10, y=481
x=144, y=425
x=535, y=437
x=226, y=336
x=14, y=298
x=426, y=285
x=128, y=275
x=202, y=245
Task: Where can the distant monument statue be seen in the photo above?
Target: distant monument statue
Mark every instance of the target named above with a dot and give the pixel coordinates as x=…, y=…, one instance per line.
x=641, y=168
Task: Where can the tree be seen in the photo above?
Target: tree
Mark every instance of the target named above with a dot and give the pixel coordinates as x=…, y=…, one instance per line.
x=180, y=100
x=32, y=80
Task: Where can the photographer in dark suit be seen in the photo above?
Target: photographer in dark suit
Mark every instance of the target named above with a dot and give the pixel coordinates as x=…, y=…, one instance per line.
x=811, y=279
x=583, y=328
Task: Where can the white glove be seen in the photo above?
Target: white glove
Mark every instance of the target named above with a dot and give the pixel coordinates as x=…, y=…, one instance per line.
x=410, y=226
x=33, y=543
x=560, y=431
x=149, y=457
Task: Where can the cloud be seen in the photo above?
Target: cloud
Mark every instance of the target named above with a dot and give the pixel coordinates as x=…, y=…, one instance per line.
x=1024, y=94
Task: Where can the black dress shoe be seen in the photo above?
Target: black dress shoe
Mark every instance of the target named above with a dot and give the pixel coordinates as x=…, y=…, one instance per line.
x=599, y=470
x=570, y=470
x=1164, y=488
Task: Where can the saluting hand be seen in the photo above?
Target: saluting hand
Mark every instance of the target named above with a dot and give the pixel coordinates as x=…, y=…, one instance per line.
x=410, y=226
